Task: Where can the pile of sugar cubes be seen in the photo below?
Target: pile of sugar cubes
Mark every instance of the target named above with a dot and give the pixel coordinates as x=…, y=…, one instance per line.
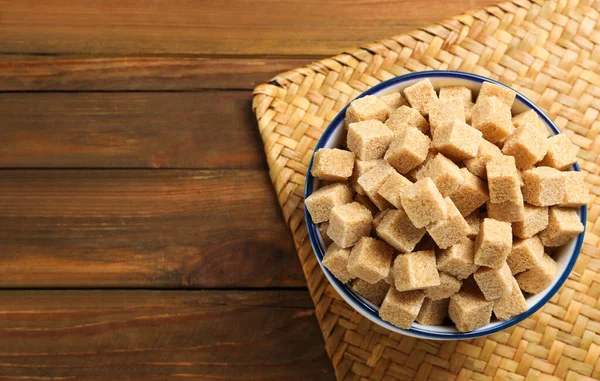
x=441, y=207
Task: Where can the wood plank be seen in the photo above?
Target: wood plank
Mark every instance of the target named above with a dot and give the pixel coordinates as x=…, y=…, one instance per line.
x=129, y=130
x=143, y=228
x=43, y=73
x=133, y=27
x=160, y=335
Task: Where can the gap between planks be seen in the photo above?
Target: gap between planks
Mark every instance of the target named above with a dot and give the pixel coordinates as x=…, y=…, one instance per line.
x=84, y=73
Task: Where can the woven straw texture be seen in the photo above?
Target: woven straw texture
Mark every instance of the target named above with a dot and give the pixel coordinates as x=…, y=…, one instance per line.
x=550, y=52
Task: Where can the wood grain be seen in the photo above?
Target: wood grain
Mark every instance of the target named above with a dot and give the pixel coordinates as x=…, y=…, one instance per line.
x=160, y=335
x=42, y=73
x=143, y=228
x=234, y=27
x=94, y=226
x=129, y=130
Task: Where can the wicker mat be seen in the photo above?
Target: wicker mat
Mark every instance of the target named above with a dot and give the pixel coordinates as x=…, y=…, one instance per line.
x=550, y=52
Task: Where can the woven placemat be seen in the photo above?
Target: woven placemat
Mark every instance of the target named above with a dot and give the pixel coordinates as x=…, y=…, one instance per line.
x=550, y=52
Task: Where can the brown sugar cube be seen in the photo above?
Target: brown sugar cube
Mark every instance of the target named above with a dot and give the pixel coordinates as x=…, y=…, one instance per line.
x=535, y=220
x=459, y=92
x=415, y=271
x=369, y=139
x=397, y=230
x=561, y=153
x=456, y=92
x=408, y=150
x=472, y=193
x=469, y=310
x=373, y=179
x=336, y=261
x=526, y=145
x=366, y=201
x=449, y=286
x=450, y=229
x=511, y=304
x=544, y=186
x=374, y=293
x=323, y=232
x=493, y=243
x=348, y=223
x=576, y=193
x=401, y=308
x=423, y=203
x=492, y=118
x=531, y=117
x=360, y=168
x=367, y=108
x=458, y=260
x=321, y=201
x=504, y=94
x=525, y=254
x=370, y=260
x=507, y=211
x=332, y=164
x=494, y=283
x=393, y=101
x=405, y=117
x=503, y=179
x=433, y=312
x=393, y=188
x=486, y=152
x=422, y=170
x=474, y=220
x=563, y=224
x=457, y=140
x=539, y=277
x=421, y=95
x=445, y=174
x=377, y=218
x=445, y=111
x=416, y=173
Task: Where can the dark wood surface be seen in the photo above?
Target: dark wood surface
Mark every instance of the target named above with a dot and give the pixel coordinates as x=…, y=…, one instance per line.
x=140, y=237
x=160, y=335
x=143, y=228
x=202, y=130
x=232, y=27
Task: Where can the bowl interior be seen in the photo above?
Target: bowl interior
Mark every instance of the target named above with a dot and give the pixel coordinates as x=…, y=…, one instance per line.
x=565, y=256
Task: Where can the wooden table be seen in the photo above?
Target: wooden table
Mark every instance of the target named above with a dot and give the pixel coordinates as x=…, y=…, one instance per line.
x=139, y=233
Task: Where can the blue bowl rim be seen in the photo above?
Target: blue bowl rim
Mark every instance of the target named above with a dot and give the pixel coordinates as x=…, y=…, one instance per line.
x=370, y=311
